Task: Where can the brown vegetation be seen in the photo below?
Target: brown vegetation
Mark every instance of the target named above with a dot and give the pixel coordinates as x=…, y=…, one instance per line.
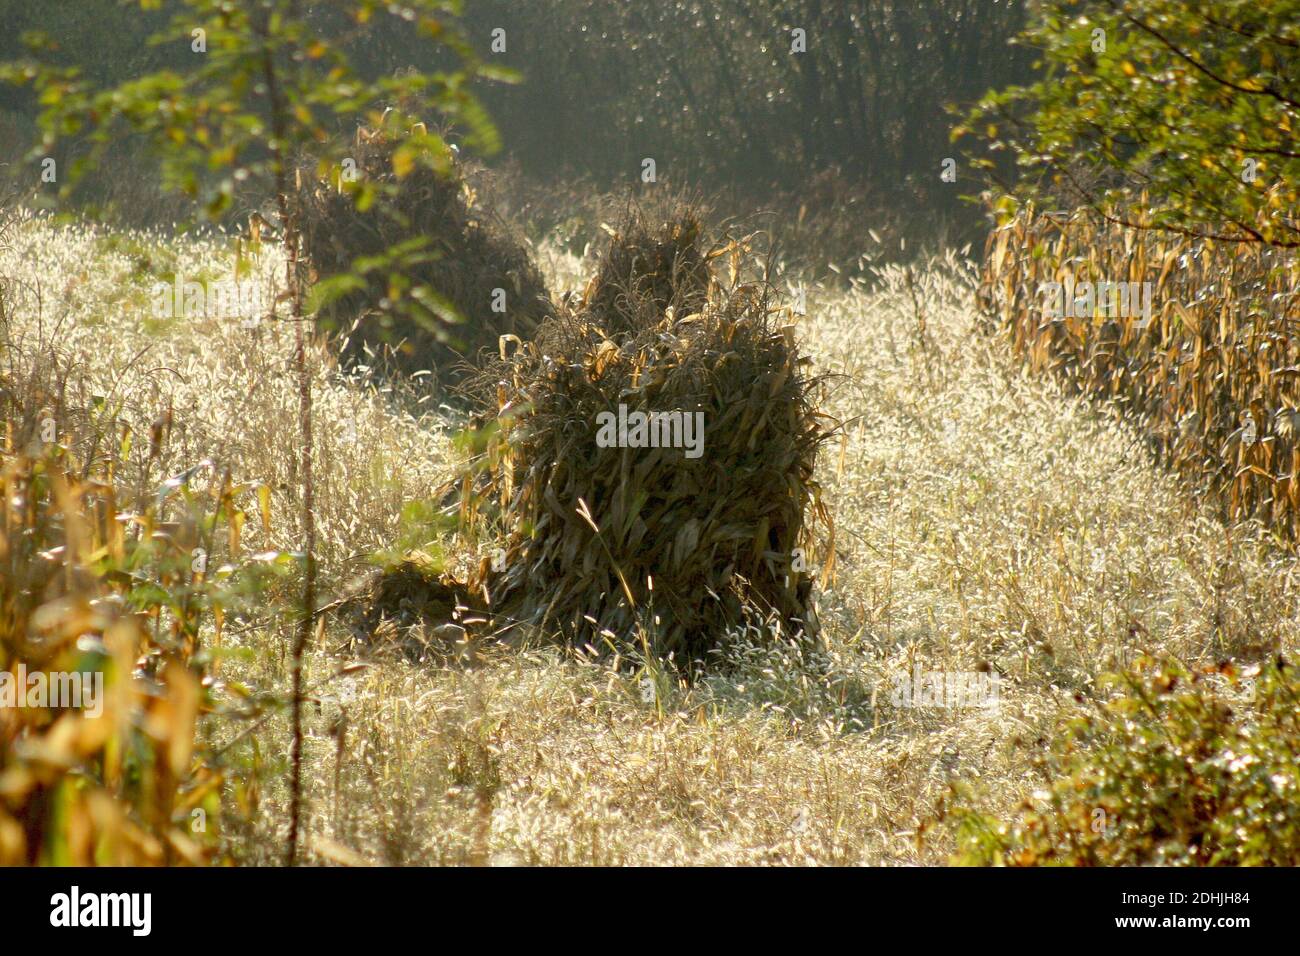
x=1212, y=380
x=654, y=546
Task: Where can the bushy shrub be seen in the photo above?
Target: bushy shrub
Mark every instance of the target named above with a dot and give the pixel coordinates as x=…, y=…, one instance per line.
x=1182, y=767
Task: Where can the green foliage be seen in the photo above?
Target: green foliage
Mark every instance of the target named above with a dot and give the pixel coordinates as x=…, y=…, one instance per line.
x=422, y=529
x=271, y=85
x=1160, y=113
x=1176, y=769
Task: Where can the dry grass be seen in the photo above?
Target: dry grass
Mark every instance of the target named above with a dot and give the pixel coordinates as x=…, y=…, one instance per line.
x=982, y=518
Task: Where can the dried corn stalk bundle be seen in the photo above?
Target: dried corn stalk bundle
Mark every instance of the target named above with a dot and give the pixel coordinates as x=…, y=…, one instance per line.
x=648, y=266
x=1212, y=376
x=454, y=245
x=658, y=548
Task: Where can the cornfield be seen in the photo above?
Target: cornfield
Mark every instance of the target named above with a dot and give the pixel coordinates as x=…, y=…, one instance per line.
x=1212, y=377
x=94, y=584
x=121, y=560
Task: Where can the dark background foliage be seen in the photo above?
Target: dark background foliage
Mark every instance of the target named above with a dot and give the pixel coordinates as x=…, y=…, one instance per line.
x=710, y=90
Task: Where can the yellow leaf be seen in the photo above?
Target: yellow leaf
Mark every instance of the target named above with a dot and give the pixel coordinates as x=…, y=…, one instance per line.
x=264, y=506
x=403, y=162
x=236, y=524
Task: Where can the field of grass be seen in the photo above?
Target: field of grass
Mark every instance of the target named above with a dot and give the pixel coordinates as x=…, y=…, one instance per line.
x=984, y=521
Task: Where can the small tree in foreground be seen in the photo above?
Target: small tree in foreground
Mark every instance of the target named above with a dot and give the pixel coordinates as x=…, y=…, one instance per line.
x=272, y=93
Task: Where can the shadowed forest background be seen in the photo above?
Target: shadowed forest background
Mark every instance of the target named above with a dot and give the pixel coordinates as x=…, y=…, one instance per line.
x=858, y=123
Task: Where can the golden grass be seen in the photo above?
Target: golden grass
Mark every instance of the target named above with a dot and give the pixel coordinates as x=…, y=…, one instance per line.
x=982, y=517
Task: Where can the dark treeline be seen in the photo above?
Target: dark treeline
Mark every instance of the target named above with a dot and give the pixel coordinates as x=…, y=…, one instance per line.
x=713, y=90
x=712, y=87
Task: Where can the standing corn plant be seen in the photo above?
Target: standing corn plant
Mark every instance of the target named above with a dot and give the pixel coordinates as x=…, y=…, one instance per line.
x=272, y=94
